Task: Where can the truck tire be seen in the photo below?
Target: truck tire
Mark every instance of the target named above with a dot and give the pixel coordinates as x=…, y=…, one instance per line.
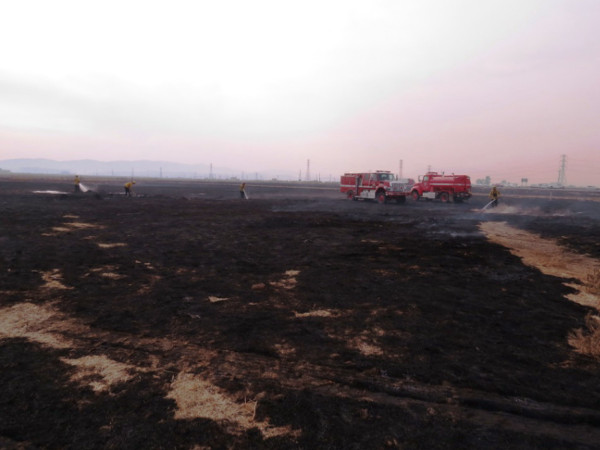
x=380, y=197
x=415, y=195
x=444, y=197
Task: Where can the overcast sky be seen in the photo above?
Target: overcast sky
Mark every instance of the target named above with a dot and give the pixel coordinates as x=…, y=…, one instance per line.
x=496, y=87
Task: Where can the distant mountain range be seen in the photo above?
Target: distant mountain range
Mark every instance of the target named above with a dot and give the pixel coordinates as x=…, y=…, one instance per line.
x=154, y=169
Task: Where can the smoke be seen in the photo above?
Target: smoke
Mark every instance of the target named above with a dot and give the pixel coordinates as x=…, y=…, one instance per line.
x=537, y=211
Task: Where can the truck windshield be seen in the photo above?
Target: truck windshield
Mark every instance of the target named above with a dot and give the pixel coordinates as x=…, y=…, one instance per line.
x=386, y=177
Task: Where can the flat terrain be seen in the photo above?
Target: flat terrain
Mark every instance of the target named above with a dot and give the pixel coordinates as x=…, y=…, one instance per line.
x=185, y=317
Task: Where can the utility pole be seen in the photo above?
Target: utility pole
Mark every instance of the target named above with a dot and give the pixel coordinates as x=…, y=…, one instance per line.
x=308, y=170
x=562, y=177
x=400, y=171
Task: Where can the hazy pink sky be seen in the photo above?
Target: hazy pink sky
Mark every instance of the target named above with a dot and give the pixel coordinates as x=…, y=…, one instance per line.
x=497, y=87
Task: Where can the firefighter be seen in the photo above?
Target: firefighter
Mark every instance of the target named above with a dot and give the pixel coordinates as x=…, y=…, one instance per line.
x=243, y=190
x=494, y=196
x=128, y=186
x=77, y=182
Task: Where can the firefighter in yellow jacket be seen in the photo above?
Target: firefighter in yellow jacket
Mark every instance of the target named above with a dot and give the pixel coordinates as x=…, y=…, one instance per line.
x=494, y=196
x=77, y=182
x=128, y=186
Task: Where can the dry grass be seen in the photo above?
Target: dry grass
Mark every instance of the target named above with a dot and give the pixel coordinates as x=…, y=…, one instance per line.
x=112, y=245
x=199, y=398
x=317, y=313
x=288, y=282
x=553, y=259
x=593, y=282
x=53, y=280
x=99, y=372
x=36, y=323
x=587, y=341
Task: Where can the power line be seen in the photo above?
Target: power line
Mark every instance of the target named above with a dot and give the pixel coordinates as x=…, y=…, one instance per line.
x=562, y=178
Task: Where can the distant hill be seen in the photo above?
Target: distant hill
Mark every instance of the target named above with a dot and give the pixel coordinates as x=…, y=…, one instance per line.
x=140, y=168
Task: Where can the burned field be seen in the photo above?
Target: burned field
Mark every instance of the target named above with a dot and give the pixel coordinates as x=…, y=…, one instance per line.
x=186, y=317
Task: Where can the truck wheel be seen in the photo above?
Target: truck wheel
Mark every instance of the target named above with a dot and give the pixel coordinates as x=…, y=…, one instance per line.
x=444, y=197
x=415, y=195
x=380, y=197
x=350, y=195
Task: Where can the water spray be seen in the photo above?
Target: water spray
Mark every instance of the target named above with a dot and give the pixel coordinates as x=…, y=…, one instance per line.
x=485, y=207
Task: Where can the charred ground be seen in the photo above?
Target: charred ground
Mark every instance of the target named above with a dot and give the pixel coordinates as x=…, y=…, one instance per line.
x=315, y=321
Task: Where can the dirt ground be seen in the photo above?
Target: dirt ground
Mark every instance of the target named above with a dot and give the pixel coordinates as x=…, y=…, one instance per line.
x=185, y=317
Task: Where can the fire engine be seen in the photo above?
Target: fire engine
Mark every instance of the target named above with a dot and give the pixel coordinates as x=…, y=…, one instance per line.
x=444, y=187
x=381, y=186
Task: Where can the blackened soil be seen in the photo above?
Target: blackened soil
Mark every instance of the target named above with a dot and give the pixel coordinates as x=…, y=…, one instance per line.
x=354, y=324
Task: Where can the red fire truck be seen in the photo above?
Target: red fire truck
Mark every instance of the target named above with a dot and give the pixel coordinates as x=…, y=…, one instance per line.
x=444, y=187
x=381, y=186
